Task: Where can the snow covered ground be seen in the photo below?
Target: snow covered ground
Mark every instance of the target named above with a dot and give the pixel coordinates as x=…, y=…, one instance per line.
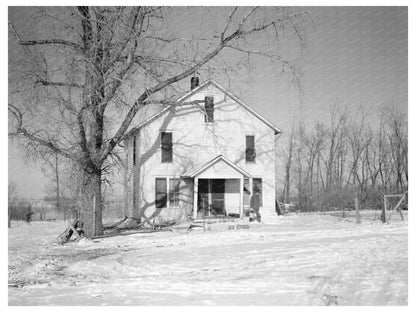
x=291, y=260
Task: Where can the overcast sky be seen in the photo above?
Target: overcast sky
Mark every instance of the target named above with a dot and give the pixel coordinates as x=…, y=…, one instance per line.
x=357, y=56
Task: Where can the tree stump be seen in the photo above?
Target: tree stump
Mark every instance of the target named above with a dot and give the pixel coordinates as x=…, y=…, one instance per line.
x=75, y=228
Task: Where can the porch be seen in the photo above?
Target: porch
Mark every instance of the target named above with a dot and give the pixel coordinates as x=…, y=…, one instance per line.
x=220, y=190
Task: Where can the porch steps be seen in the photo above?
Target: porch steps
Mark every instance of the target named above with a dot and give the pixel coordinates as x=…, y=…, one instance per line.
x=210, y=220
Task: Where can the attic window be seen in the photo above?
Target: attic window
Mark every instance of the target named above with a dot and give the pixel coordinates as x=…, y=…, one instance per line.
x=209, y=109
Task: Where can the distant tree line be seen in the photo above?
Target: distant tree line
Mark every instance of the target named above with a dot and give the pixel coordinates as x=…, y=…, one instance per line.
x=326, y=166
x=53, y=208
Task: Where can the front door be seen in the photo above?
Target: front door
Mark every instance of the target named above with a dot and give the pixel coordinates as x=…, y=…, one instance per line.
x=217, y=196
x=211, y=199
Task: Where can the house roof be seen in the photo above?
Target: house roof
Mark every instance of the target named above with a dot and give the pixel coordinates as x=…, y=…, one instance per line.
x=193, y=173
x=197, y=89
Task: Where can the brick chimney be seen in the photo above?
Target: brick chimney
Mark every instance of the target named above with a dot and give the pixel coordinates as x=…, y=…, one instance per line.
x=194, y=82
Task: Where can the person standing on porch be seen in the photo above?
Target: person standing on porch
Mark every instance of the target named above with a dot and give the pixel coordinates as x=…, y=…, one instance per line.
x=255, y=203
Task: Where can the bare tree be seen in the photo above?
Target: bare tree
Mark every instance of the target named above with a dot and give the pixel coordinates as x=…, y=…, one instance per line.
x=350, y=158
x=358, y=142
x=336, y=136
x=12, y=196
x=287, y=158
x=300, y=160
x=314, y=144
x=394, y=125
x=77, y=86
x=51, y=168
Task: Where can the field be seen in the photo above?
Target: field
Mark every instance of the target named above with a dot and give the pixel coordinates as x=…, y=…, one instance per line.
x=300, y=259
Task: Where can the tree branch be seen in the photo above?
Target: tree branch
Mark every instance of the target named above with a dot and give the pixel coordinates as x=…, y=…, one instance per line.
x=44, y=41
x=58, y=84
x=228, y=23
x=33, y=137
x=246, y=17
x=109, y=94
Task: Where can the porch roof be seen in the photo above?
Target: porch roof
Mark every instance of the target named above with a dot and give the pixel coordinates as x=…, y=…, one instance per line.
x=199, y=170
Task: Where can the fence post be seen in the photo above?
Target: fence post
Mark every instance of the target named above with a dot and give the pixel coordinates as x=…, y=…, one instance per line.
x=383, y=210
x=357, y=213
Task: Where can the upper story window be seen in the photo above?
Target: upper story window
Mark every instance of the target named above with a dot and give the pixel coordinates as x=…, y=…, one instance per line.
x=209, y=109
x=166, y=146
x=250, y=149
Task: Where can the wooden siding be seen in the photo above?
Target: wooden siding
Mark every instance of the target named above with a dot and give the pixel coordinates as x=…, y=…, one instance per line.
x=196, y=142
x=220, y=170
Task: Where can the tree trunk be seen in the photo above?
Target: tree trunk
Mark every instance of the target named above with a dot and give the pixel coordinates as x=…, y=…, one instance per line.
x=287, y=185
x=58, y=199
x=91, y=205
x=357, y=213
x=9, y=223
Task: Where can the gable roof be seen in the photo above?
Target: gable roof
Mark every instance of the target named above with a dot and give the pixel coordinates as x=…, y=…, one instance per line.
x=197, y=89
x=205, y=166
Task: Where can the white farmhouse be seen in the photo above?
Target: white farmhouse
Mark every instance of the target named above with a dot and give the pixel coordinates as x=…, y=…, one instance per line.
x=200, y=158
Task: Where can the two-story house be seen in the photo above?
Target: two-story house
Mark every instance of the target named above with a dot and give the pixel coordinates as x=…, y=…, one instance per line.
x=202, y=156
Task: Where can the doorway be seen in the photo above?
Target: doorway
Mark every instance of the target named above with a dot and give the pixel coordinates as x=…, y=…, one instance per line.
x=211, y=198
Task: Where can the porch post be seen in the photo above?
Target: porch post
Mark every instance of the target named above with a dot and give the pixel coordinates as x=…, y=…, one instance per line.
x=195, y=197
x=241, y=196
x=250, y=185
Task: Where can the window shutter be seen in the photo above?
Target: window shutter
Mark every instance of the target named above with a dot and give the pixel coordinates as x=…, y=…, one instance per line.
x=250, y=149
x=134, y=151
x=174, y=192
x=166, y=146
x=209, y=109
x=161, y=192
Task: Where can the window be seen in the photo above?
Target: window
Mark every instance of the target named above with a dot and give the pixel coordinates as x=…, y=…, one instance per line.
x=246, y=185
x=209, y=109
x=257, y=184
x=250, y=149
x=163, y=198
x=174, y=192
x=134, y=151
x=166, y=146
x=161, y=193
